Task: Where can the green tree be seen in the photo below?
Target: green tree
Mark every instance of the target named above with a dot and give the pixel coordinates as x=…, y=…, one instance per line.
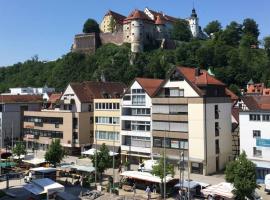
x=19, y=150
x=232, y=34
x=55, y=153
x=250, y=27
x=266, y=44
x=104, y=160
x=91, y=26
x=241, y=173
x=158, y=170
x=181, y=31
x=213, y=27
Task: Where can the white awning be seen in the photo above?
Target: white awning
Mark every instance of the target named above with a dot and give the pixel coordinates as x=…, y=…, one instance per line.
x=223, y=189
x=261, y=164
x=34, y=189
x=92, y=151
x=35, y=161
x=144, y=176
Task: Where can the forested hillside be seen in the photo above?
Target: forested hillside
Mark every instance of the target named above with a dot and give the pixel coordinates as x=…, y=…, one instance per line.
x=233, y=54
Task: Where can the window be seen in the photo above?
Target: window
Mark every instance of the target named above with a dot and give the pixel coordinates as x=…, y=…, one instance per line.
x=257, y=152
x=216, y=112
x=256, y=133
x=171, y=143
x=89, y=107
x=91, y=120
x=1, y=108
x=138, y=99
x=266, y=118
x=107, y=106
x=138, y=91
x=216, y=129
x=140, y=111
x=107, y=120
x=107, y=135
x=254, y=117
x=75, y=123
x=140, y=126
x=126, y=98
x=217, y=146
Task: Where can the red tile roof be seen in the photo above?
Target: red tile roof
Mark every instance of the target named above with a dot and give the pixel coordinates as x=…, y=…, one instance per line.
x=203, y=79
x=235, y=114
x=257, y=102
x=118, y=17
x=138, y=14
x=149, y=85
x=21, y=98
x=89, y=90
x=54, y=97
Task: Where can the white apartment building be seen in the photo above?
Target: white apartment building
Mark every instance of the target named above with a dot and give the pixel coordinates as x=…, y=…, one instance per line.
x=136, y=105
x=254, y=119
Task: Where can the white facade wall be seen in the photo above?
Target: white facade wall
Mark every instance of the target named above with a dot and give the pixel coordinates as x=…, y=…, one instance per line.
x=123, y=133
x=70, y=94
x=247, y=141
x=188, y=90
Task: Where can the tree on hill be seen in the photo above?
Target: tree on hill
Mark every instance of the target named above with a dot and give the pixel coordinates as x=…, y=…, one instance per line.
x=213, y=27
x=241, y=173
x=19, y=150
x=102, y=160
x=232, y=34
x=91, y=26
x=55, y=153
x=181, y=31
x=266, y=44
x=250, y=27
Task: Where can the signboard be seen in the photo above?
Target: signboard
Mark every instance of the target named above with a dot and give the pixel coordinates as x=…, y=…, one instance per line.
x=263, y=142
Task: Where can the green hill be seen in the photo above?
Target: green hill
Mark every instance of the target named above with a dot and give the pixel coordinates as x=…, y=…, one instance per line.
x=232, y=54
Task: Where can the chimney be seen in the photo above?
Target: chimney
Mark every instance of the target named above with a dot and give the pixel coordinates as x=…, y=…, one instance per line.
x=197, y=71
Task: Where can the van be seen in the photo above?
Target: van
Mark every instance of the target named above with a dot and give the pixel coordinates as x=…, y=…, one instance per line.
x=267, y=183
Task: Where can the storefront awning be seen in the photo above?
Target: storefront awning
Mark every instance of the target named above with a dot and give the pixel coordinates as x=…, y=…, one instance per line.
x=261, y=164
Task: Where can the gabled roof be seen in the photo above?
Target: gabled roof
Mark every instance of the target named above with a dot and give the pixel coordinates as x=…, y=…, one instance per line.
x=233, y=96
x=118, y=17
x=257, y=102
x=138, y=14
x=89, y=90
x=20, y=98
x=203, y=79
x=149, y=85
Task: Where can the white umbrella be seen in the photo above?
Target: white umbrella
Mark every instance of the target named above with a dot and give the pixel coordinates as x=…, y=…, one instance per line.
x=90, y=152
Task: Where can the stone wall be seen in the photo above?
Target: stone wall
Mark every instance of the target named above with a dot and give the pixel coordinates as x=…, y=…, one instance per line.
x=115, y=38
x=85, y=43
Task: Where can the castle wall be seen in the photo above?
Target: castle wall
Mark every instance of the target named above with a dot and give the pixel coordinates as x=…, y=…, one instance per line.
x=85, y=43
x=115, y=38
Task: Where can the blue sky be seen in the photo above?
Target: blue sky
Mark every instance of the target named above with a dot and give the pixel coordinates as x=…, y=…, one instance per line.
x=46, y=28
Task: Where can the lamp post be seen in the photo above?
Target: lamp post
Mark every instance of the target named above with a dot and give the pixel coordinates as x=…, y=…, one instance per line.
x=96, y=157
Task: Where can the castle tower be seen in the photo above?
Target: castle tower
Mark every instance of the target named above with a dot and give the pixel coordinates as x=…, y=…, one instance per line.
x=194, y=23
x=136, y=35
x=160, y=26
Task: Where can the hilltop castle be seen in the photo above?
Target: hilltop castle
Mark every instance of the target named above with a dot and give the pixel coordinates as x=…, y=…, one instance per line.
x=139, y=28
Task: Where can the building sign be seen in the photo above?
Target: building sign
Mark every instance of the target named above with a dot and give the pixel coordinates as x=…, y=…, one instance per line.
x=263, y=142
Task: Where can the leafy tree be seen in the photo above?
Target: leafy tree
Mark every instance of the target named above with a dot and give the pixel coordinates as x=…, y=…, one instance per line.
x=55, y=153
x=213, y=27
x=102, y=160
x=250, y=27
x=91, y=26
x=232, y=34
x=19, y=150
x=181, y=31
x=266, y=44
x=241, y=173
x=158, y=170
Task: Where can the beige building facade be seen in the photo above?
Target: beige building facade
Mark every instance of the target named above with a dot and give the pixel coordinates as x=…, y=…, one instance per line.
x=192, y=113
x=107, y=123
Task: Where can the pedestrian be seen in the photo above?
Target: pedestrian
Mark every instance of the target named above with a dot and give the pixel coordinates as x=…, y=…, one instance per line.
x=148, y=192
x=154, y=188
x=120, y=168
x=134, y=188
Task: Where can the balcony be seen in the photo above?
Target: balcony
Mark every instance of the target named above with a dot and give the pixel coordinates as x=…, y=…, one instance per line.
x=170, y=117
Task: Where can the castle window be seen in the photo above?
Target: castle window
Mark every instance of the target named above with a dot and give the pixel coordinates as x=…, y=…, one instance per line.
x=132, y=33
x=127, y=36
